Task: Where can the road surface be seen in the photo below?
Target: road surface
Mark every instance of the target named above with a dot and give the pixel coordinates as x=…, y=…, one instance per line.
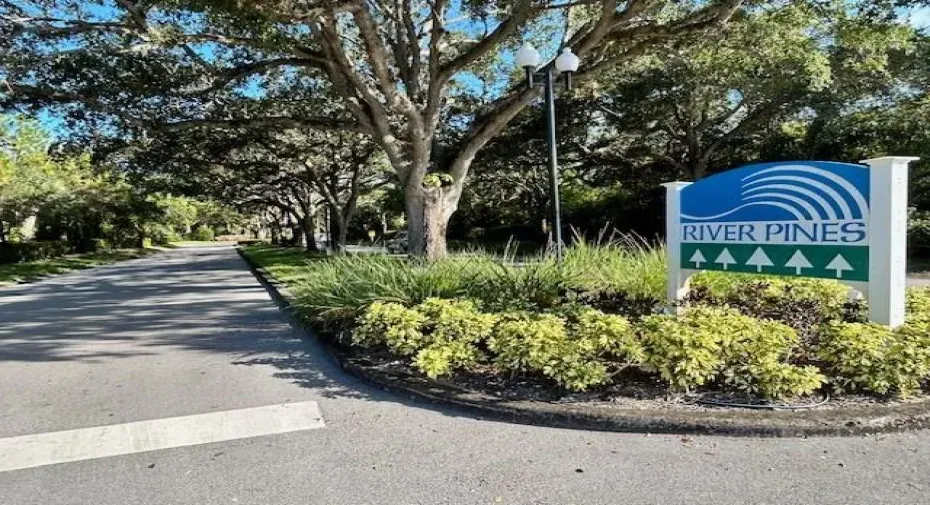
x=113, y=379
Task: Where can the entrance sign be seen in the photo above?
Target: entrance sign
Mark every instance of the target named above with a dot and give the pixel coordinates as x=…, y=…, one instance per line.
x=821, y=219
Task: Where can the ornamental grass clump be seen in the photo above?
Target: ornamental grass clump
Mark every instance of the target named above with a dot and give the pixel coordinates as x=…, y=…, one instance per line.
x=625, y=264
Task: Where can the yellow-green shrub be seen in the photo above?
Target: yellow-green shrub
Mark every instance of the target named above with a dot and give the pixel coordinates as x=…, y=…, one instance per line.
x=455, y=320
x=918, y=304
x=687, y=351
x=598, y=333
x=523, y=342
x=708, y=344
x=393, y=324
x=870, y=357
x=757, y=355
x=442, y=358
x=542, y=343
x=452, y=328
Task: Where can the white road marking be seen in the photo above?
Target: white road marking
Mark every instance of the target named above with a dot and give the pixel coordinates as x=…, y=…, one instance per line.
x=42, y=449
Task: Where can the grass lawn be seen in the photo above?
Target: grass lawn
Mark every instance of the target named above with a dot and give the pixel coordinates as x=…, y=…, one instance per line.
x=33, y=270
x=285, y=263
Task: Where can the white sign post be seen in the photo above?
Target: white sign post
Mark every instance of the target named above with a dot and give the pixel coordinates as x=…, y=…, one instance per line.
x=806, y=219
x=887, y=239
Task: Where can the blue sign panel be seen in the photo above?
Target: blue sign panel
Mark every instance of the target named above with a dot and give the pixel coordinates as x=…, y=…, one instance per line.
x=789, y=218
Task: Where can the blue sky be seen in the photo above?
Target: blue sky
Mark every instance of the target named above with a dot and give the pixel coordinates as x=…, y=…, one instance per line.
x=920, y=18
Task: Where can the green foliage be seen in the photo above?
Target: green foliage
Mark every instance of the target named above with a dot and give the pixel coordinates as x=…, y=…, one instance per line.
x=871, y=358
x=399, y=327
x=538, y=285
x=597, y=333
x=441, y=334
x=686, y=352
x=432, y=313
x=625, y=265
x=437, y=180
x=69, y=198
x=523, y=342
x=203, y=234
x=757, y=360
x=707, y=344
x=918, y=304
x=541, y=343
x=456, y=321
x=442, y=358
x=831, y=294
x=33, y=250
x=918, y=231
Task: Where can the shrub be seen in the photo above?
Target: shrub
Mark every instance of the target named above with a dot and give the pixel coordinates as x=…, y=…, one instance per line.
x=757, y=361
x=33, y=250
x=686, y=351
x=393, y=324
x=830, y=294
x=537, y=285
x=803, y=304
x=707, y=344
x=597, y=333
x=441, y=358
x=870, y=357
x=541, y=343
x=918, y=231
x=575, y=372
x=918, y=304
x=101, y=245
x=624, y=265
x=523, y=342
x=203, y=234
x=440, y=333
x=456, y=321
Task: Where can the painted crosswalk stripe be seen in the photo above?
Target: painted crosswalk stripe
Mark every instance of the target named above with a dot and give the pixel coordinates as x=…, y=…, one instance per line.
x=41, y=449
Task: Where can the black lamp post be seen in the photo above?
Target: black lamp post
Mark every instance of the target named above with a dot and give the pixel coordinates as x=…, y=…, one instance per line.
x=567, y=64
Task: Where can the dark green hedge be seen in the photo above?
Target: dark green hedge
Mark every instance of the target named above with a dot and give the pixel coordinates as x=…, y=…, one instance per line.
x=32, y=250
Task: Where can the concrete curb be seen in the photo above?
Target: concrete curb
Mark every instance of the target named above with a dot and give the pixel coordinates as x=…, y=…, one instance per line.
x=849, y=421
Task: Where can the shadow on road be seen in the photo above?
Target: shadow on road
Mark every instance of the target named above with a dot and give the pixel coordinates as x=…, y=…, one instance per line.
x=201, y=301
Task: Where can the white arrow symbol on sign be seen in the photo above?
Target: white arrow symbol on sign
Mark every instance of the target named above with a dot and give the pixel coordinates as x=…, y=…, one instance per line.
x=798, y=261
x=697, y=258
x=839, y=264
x=759, y=259
x=725, y=258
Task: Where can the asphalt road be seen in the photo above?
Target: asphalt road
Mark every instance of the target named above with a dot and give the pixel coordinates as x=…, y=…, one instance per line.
x=191, y=332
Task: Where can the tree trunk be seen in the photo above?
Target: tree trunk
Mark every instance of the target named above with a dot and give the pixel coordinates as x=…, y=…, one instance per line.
x=340, y=231
x=308, y=225
x=428, y=213
x=698, y=168
x=297, y=235
x=275, y=229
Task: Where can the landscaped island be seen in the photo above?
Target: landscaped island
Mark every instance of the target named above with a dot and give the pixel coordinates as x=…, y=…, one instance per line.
x=597, y=324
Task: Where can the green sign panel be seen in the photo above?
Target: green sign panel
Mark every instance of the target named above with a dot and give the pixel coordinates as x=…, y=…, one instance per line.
x=848, y=263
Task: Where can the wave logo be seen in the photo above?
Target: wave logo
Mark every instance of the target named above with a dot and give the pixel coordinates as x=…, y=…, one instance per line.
x=819, y=191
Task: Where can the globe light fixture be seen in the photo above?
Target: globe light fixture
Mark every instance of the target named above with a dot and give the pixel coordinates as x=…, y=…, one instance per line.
x=528, y=56
x=528, y=59
x=567, y=64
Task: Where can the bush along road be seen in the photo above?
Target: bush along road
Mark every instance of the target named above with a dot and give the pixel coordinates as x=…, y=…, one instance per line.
x=589, y=335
